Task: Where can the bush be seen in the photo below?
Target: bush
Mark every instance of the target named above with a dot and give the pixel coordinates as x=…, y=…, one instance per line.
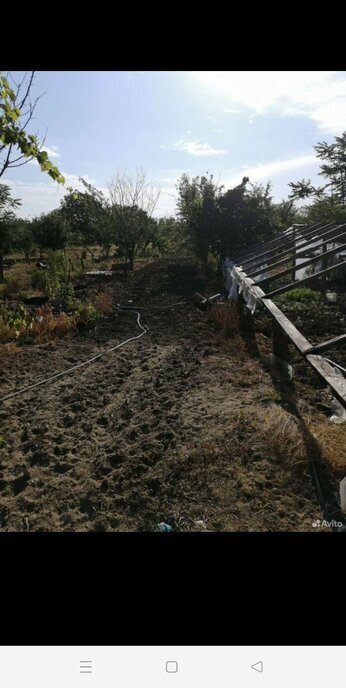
x=85, y=312
x=46, y=325
x=14, y=323
x=103, y=302
x=56, y=281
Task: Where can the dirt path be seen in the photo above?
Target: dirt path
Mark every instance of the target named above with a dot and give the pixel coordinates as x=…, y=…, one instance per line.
x=170, y=428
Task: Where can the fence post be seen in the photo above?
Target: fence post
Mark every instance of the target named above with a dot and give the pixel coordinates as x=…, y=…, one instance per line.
x=280, y=342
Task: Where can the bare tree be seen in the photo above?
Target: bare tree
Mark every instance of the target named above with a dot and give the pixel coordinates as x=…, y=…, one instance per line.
x=133, y=200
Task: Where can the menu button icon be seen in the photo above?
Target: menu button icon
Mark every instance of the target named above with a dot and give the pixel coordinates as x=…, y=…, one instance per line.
x=85, y=666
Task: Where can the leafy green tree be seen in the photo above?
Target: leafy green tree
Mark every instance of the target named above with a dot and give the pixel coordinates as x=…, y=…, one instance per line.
x=223, y=222
x=89, y=217
x=17, y=146
x=23, y=237
x=132, y=203
x=7, y=224
x=134, y=230
x=50, y=231
x=199, y=210
x=333, y=169
x=171, y=235
x=285, y=213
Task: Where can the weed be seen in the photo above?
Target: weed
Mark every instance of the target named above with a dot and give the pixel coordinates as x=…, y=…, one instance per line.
x=103, y=302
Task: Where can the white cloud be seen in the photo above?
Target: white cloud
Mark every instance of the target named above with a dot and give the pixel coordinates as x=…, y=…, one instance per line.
x=231, y=111
x=318, y=96
x=168, y=180
x=195, y=148
x=212, y=119
x=52, y=152
x=270, y=169
x=42, y=197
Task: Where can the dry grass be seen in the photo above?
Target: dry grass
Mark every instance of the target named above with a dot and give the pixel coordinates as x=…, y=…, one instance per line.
x=7, y=333
x=332, y=440
x=18, y=279
x=9, y=349
x=48, y=326
x=103, y=302
x=224, y=318
x=283, y=436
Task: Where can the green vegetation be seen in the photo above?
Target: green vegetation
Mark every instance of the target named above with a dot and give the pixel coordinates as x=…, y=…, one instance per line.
x=56, y=280
x=221, y=223
x=16, y=144
x=329, y=201
x=302, y=295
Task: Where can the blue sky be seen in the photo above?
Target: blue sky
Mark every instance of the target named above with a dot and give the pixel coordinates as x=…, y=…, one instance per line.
x=259, y=124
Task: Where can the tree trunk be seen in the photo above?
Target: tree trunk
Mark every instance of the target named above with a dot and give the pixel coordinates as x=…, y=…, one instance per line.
x=131, y=255
x=2, y=279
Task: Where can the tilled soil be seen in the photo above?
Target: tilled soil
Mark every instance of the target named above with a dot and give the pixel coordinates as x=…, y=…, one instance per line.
x=165, y=429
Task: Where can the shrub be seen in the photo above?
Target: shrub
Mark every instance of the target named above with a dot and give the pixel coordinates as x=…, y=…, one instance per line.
x=14, y=322
x=46, y=325
x=56, y=281
x=103, y=302
x=85, y=312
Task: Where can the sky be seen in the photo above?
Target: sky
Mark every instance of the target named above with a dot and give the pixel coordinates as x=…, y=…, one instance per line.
x=263, y=125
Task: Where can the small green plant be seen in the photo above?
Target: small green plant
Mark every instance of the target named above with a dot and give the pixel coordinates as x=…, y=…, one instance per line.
x=300, y=295
x=14, y=322
x=85, y=312
x=56, y=281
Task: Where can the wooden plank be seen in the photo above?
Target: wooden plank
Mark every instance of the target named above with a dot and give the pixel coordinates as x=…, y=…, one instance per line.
x=299, y=254
x=284, y=236
x=294, y=258
x=336, y=365
x=329, y=344
x=283, y=242
x=299, y=341
x=310, y=261
x=297, y=284
x=311, y=238
x=335, y=380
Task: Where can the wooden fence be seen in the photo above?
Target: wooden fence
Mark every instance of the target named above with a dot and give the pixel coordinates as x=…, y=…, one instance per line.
x=297, y=242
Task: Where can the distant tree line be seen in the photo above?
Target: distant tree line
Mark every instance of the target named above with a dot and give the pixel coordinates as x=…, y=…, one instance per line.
x=211, y=220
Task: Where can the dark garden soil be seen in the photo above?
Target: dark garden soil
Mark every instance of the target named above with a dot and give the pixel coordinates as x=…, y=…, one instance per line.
x=174, y=427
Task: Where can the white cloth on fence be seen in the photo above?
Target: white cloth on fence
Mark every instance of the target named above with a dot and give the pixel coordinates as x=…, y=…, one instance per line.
x=242, y=285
